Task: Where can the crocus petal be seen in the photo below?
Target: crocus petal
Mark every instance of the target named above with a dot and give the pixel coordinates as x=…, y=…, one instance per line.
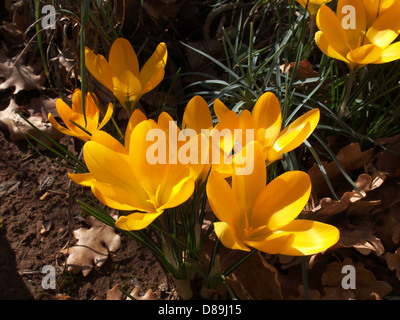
x=391, y=53
x=282, y=200
x=226, y=235
x=57, y=126
x=127, y=89
x=197, y=115
x=176, y=189
x=272, y=243
x=327, y=48
x=108, y=141
x=364, y=55
x=222, y=199
x=120, y=197
x=107, y=116
x=64, y=111
x=136, y=117
x=267, y=116
x=385, y=28
x=308, y=237
x=136, y=220
x=99, y=67
x=249, y=176
x=374, y=8
x=331, y=27
x=298, y=131
x=123, y=58
x=83, y=179
x=355, y=33
x=153, y=71
x=220, y=109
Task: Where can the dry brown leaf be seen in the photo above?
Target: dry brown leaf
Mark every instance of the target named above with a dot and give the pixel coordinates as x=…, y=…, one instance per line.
x=393, y=261
x=329, y=207
x=350, y=157
x=11, y=121
x=149, y=295
x=363, y=240
x=367, y=287
x=166, y=9
x=91, y=247
x=20, y=76
x=304, y=69
x=261, y=283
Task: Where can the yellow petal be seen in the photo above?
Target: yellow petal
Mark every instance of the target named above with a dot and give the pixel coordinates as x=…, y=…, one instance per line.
x=176, y=189
x=57, y=126
x=83, y=179
x=153, y=72
x=136, y=220
x=374, y=8
x=226, y=235
x=197, y=115
x=107, y=116
x=246, y=123
x=123, y=58
x=327, y=48
x=249, y=176
x=222, y=200
x=127, y=89
x=331, y=27
x=108, y=141
x=267, y=116
x=298, y=131
x=391, y=53
x=364, y=55
x=136, y=117
x=99, y=67
x=355, y=33
x=220, y=109
x=272, y=243
x=385, y=28
x=64, y=111
x=122, y=198
x=308, y=237
x=282, y=200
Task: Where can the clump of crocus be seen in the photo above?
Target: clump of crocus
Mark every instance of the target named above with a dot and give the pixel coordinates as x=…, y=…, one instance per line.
x=79, y=123
x=265, y=121
x=255, y=215
x=360, y=33
x=121, y=73
x=312, y=6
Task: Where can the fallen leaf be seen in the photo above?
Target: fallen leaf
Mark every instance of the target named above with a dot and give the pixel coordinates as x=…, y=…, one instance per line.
x=366, y=285
x=90, y=248
x=149, y=295
x=393, y=261
x=363, y=240
x=261, y=283
x=350, y=157
x=304, y=69
x=18, y=128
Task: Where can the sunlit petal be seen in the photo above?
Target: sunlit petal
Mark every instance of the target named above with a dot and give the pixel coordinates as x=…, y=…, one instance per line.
x=123, y=58
x=227, y=236
x=197, y=115
x=136, y=220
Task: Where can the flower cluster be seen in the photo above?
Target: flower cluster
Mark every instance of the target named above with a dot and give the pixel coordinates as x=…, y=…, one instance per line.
x=158, y=165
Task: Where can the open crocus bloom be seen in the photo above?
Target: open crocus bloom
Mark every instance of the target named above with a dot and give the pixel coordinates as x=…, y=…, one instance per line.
x=265, y=122
x=128, y=180
x=312, y=5
x=360, y=33
x=253, y=214
x=121, y=73
x=74, y=118
x=134, y=176
x=221, y=137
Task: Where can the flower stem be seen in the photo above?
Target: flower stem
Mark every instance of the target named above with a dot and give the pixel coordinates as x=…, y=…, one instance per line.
x=343, y=107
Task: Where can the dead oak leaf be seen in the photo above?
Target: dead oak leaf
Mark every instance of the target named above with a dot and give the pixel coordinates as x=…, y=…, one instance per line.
x=393, y=261
x=20, y=76
x=367, y=287
x=91, y=247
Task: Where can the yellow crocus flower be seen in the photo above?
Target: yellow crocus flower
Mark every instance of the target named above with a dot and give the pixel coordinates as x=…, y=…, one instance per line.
x=121, y=73
x=74, y=118
x=361, y=33
x=265, y=121
x=123, y=178
x=255, y=215
x=312, y=5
